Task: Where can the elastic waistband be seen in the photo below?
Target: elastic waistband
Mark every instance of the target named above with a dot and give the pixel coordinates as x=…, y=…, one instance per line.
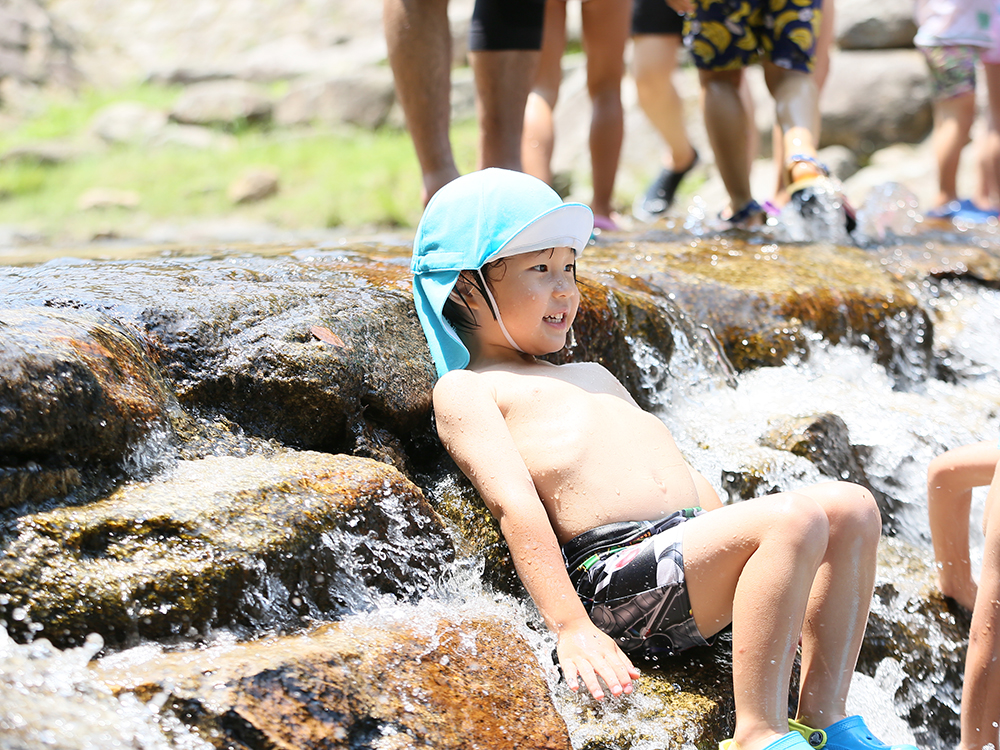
x=578, y=550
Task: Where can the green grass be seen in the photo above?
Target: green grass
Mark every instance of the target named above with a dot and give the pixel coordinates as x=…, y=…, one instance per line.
x=345, y=177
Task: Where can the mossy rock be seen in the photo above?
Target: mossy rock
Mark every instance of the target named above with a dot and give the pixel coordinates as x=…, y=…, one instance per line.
x=245, y=542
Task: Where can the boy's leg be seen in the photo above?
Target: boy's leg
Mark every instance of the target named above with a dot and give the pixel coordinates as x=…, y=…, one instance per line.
x=837, y=613
x=950, y=479
x=538, y=139
x=419, y=44
x=981, y=692
x=753, y=564
x=605, y=31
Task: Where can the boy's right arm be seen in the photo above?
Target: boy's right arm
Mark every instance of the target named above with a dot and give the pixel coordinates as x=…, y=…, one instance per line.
x=474, y=432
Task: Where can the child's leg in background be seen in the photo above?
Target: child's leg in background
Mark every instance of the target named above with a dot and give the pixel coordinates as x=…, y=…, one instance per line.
x=988, y=186
x=605, y=31
x=981, y=691
x=538, y=139
x=953, y=76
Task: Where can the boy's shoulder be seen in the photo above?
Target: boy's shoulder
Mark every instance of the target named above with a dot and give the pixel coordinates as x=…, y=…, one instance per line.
x=589, y=376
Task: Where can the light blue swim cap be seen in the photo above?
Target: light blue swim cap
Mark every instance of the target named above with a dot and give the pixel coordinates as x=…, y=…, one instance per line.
x=478, y=218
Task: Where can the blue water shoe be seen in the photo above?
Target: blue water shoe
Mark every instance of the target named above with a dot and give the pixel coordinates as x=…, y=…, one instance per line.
x=846, y=734
x=791, y=741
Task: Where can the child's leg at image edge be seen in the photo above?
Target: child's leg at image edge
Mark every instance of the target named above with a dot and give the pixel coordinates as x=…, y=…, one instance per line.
x=768, y=565
x=981, y=690
x=950, y=479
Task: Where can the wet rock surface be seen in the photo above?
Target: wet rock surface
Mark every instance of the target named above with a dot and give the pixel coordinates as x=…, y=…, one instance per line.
x=207, y=542
x=248, y=394
x=452, y=683
x=78, y=391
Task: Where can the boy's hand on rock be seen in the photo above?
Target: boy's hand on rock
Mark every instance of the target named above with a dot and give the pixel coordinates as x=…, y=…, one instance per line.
x=586, y=653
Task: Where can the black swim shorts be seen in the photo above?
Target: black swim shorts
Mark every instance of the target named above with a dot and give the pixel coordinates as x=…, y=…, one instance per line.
x=656, y=17
x=506, y=25
x=630, y=578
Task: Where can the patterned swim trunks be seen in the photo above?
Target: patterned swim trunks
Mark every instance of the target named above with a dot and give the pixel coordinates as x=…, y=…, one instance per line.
x=630, y=578
x=953, y=70
x=733, y=34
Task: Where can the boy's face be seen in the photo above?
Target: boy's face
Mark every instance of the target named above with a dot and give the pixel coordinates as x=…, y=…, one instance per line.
x=537, y=297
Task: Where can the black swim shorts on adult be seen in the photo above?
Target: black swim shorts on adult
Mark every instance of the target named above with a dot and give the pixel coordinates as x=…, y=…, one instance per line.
x=507, y=24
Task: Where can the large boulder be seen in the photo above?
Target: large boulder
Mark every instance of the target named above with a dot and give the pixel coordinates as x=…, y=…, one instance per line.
x=222, y=104
x=244, y=542
x=35, y=48
x=918, y=639
x=861, y=24
x=363, y=99
x=78, y=392
x=455, y=682
x=760, y=300
x=876, y=98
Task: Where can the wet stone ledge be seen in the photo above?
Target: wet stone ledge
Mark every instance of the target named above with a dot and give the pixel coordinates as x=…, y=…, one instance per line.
x=249, y=543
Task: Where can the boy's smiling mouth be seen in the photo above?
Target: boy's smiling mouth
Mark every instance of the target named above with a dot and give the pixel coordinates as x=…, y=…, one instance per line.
x=558, y=318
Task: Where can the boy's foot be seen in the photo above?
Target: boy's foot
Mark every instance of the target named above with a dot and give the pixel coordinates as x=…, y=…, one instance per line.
x=791, y=741
x=846, y=734
x=660, y=195
x=749, y=216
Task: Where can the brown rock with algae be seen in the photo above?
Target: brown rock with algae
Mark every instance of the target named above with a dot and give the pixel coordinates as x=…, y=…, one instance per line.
x=250, y=542
x=759, y=298
x=406, y=682
x=77, y=391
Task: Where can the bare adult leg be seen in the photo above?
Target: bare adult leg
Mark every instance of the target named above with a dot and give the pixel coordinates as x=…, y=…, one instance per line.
x=503, y=81
x=841, y=593
x=419, y=43
x=726, y=123
x=605, y=31
x=538, y=140
x=753, y=564
x=654, y=60
x=981, y=691
x=950, y=479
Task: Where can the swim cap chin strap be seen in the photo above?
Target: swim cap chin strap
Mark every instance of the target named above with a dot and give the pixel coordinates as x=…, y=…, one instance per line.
x=496, y=312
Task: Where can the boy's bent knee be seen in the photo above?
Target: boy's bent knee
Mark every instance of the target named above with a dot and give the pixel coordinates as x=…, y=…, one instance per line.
x=854, y=512
x=800, y=521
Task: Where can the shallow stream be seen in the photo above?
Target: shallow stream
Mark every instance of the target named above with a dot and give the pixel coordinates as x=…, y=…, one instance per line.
x=51, y=700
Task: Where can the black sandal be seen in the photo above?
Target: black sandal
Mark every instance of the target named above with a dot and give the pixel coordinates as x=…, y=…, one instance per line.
x=742, y=218
x=660, y=195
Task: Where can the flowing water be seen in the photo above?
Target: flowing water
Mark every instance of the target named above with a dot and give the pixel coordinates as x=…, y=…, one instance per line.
x=716, y=415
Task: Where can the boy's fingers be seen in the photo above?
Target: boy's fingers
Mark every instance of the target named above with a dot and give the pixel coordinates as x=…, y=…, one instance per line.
x=570, y=672
x=616, y=677
x=590, y=680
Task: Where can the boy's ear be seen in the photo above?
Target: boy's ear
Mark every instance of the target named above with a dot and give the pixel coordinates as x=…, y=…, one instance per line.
x=462, y=293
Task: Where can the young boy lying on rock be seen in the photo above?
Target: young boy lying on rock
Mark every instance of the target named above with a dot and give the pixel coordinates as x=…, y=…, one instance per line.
x=623, y=547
